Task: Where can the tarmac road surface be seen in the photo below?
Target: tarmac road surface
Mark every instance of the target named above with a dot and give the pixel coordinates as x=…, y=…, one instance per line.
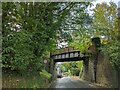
x=68, y=82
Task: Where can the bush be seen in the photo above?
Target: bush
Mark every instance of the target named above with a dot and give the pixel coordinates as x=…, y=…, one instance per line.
x=75, y=71
x=113, y=51
x=44, y=74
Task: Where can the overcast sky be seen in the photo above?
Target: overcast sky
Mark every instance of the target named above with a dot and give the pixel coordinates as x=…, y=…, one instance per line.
x=100, y=1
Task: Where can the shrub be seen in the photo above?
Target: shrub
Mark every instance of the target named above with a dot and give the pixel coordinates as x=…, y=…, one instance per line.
x=44, y=74
x=113, y=51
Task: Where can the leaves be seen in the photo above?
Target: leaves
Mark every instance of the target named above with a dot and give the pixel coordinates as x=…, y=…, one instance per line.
x=104, y=21
x=28, y=34
x=45, y=74
x=31, y=31
x=112, y=50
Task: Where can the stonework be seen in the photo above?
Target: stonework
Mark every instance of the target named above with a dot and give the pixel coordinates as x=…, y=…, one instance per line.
x=105, y=73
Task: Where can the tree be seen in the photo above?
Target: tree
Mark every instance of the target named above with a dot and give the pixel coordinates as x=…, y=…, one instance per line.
x=73, y=67
x=105, y=21
x=31, y=31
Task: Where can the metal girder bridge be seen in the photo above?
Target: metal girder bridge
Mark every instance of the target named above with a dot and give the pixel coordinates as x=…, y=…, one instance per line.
x=67, y=54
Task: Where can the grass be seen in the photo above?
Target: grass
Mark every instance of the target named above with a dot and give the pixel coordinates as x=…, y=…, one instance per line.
x=13, y=80
x=34, y=82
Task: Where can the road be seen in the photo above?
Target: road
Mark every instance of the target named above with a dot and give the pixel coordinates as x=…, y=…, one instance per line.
x=68, y=82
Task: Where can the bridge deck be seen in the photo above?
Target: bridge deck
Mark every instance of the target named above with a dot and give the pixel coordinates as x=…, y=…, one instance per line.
x=68, y=56
x=69, y=59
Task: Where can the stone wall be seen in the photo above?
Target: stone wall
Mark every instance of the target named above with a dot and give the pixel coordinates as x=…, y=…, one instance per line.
x=105, y=73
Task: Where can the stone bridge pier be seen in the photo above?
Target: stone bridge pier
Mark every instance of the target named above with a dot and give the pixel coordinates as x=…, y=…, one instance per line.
x=98, y=68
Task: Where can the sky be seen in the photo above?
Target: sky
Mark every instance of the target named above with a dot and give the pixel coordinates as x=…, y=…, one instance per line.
x=100, y=1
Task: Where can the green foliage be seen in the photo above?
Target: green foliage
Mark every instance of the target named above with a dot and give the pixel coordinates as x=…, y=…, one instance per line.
x=32, y=30
x=83, y=47
x=81, y=35
x=105, y=21
x=75, y=71
x=75, y=22
x=44, y=74
x=73, y=68
x=30, y=33
x=34, y=82
x=104, y=25
x=12, y=79
x=113, y=51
